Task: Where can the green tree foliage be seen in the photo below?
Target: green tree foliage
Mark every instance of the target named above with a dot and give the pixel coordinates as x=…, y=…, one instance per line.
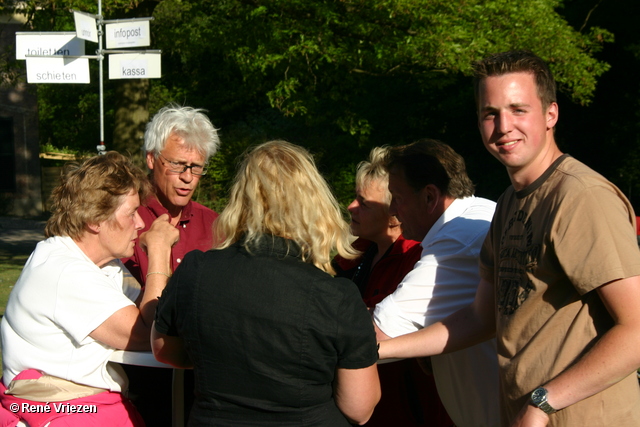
x=337, y=76
x=606, y=134
x=307, y=54
x=348, y=75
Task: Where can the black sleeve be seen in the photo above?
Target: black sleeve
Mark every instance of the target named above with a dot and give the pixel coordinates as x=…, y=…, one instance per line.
x=356, y=338
x=183, y=279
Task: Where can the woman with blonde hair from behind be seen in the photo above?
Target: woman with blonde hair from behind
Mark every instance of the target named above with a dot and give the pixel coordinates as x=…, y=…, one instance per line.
x=273, y=338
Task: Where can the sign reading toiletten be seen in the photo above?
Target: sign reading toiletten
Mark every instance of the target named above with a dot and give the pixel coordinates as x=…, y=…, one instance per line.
x=48, y=44
x=57, y=70
x=134, y=66
x=127, y=34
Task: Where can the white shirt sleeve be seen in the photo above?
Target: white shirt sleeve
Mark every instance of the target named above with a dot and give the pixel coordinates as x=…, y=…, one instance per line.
x=435, y=288
x=446, y=277
x=85, y=299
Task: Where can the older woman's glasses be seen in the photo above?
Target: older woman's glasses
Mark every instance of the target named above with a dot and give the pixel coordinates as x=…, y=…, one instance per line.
x=177, y=167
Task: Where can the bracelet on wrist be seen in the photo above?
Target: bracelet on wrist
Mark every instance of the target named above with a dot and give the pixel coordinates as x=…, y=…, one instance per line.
x=158, y=272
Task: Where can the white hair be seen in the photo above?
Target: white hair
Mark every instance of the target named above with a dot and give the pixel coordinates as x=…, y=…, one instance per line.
x=189, y=123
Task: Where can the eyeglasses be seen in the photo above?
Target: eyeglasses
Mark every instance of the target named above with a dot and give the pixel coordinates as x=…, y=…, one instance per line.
x=177, y=167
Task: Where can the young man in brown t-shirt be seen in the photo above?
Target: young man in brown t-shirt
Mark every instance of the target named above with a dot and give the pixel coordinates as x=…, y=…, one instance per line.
x=560, y=268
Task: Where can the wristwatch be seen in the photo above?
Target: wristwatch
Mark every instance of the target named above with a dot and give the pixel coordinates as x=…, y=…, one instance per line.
x=539, y=400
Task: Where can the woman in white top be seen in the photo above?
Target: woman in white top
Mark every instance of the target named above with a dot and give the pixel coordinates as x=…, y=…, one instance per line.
x=69, y=311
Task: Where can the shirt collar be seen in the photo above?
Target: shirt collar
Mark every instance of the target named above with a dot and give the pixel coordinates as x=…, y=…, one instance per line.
x=110, y=269
x=272, y=245
x=73, y=247
x=454, y=210
x=398, y=247
x=154, y=205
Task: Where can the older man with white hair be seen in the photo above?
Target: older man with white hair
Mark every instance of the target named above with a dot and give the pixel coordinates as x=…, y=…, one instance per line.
x=178, y=143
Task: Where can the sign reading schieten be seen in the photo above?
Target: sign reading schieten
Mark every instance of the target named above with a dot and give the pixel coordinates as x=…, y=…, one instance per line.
x=134, y=66
x=127, y=34
x=57, y=70
x=48, y=44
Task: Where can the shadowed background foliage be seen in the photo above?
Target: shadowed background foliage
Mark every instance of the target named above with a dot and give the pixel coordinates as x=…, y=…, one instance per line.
x=342, y=76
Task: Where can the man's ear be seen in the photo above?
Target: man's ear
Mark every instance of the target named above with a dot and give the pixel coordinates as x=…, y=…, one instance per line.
x=151, y=160
x=431, y=197
x=552, y=115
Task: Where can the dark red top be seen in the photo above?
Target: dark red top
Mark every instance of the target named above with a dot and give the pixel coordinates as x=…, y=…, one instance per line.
x=196, y=232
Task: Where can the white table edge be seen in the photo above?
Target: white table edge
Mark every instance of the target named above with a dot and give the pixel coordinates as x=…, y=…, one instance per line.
x=145, y=358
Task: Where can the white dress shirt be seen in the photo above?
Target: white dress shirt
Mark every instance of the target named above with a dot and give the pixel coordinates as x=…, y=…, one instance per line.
x=444, y=280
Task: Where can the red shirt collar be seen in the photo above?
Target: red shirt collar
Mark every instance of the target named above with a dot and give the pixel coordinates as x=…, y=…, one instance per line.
x=154, y=205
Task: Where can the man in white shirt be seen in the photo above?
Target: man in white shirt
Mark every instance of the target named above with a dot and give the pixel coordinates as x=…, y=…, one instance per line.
x=433, y=198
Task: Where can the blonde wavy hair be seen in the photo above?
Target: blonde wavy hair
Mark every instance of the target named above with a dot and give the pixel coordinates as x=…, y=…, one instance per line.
x=279, y=191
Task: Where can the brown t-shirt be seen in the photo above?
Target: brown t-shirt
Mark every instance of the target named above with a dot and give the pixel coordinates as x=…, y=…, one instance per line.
x=550, y=246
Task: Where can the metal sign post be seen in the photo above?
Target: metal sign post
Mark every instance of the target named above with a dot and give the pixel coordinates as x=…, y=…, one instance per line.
x=59, y=59
x=100, y=147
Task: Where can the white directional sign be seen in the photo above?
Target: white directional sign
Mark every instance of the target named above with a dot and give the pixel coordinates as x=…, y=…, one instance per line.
x=86, y=27
x=127, y=34
x=134, y=66
x=60, y=57
x=57, y=70
x=48, y=44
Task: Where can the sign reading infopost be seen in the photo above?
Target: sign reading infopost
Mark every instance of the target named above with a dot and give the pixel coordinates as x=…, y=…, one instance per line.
x=128, y=34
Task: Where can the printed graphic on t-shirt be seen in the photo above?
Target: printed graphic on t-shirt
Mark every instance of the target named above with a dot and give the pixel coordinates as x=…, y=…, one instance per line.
x=518, y=255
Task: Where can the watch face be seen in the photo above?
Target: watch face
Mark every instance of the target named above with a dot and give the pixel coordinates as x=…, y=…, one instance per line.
x=539, y=395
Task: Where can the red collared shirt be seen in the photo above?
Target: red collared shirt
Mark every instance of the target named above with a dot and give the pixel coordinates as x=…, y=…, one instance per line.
x=195, y=228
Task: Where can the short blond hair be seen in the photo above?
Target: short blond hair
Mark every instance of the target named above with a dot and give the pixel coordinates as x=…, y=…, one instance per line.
x=91, y=192
x=279, y=191
x=374, y=170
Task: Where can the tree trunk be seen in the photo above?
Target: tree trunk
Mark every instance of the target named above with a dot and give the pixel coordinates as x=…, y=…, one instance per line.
x=131, y=116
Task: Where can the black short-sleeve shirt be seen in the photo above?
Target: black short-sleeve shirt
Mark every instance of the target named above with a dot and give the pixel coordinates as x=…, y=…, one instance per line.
x=265, y=332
